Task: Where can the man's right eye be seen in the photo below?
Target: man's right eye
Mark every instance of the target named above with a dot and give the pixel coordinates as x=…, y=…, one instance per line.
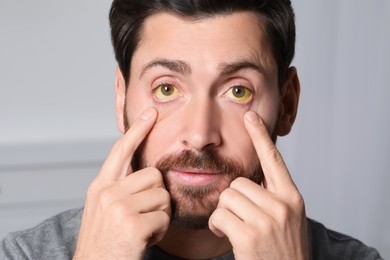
x=166, y=92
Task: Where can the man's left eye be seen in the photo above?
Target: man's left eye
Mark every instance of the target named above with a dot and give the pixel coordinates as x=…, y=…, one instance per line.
x=166, y=92
x=239, y=94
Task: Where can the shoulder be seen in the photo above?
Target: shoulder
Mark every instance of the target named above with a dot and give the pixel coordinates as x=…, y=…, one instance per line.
x=328, y=244
x=55, y=237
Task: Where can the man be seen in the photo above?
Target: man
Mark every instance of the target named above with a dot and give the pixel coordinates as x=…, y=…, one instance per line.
x=203, y=88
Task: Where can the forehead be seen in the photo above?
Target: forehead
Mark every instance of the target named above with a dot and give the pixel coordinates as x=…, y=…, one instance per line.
x=208, y=41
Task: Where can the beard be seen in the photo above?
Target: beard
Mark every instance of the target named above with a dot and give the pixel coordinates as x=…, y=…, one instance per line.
x=192, y=206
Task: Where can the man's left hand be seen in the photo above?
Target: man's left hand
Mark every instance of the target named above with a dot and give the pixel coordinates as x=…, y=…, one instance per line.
x=263, y=222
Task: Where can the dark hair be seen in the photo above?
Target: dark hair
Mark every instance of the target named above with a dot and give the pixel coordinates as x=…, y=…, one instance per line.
x=127, y=17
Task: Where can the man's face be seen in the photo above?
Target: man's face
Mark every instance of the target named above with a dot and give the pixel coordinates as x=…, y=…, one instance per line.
x=202, y=76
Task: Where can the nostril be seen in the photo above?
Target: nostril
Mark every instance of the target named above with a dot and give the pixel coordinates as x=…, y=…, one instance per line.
x=201, y=141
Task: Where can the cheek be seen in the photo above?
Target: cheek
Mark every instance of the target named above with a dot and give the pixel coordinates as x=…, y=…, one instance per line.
x=159, y=141
x=137, y=100
x=267, y=107
x=237, y=142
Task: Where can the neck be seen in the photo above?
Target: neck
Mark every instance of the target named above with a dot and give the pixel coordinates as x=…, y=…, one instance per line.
x=194, y=244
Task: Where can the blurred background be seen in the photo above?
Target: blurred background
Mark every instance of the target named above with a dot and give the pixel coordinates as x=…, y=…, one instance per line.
x=57, y=119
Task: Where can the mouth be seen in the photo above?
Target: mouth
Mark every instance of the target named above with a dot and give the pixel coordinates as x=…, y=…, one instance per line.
x=195, y=177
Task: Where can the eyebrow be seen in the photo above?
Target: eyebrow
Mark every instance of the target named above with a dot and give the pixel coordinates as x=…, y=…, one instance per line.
x=231, y=68
x=184, y=68
x=177, y=66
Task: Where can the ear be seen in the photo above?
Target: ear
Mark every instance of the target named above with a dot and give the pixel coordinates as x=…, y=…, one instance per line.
x=120, y=98
x=289, y=102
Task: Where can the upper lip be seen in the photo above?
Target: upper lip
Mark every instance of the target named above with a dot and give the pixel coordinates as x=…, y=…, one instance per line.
x=197, y=171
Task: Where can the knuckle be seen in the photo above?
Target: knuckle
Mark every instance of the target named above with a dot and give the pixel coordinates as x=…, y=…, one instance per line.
x=93, y=189
x=274, y=155
x=238, y=182
x=118, y=146
x=216, y=217
x=131, y=224
x=165, y=218
x=297, y=201
x=154, y=174
x=164, y=195
x=121, y=215
x=282, y=210
x=281, y=214
x=105, y=197
x=118, y=208
x=227, y=196
x=122, y=147
x=213, y=217
x=266, y=226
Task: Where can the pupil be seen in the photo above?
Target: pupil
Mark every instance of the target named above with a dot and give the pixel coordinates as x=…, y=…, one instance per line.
x=239, y=92
x=167, y=90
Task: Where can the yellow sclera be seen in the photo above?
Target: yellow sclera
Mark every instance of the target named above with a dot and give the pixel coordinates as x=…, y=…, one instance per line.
x=239, y=94
x=166, y=92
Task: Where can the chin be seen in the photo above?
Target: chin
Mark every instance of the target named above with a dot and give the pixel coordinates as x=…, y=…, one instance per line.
x=192, y=206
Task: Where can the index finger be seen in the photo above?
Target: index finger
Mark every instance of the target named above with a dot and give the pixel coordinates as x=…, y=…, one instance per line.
x=275, y=170
x=118, y=161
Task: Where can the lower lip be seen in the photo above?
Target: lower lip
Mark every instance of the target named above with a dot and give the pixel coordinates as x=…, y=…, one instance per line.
x=194, y=179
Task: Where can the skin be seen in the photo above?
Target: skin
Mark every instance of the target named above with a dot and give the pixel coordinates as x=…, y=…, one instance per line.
x=255, y=221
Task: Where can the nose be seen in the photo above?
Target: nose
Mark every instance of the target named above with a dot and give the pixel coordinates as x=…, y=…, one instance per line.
x=201, y=125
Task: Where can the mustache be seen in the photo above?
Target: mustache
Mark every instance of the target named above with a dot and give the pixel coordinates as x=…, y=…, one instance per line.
x=206, y=160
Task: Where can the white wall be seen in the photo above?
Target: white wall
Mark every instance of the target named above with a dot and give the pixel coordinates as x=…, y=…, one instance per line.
x=57, y=71
x=57, y=118
x=339, y=151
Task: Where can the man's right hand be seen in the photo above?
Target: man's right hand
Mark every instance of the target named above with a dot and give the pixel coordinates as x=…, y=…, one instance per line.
x=125, y=211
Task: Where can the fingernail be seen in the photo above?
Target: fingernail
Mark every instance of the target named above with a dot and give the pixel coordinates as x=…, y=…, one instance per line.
x=252, y=117
x=147, y=114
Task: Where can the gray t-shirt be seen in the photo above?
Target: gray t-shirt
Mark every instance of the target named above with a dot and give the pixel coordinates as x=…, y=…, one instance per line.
x=56, y=238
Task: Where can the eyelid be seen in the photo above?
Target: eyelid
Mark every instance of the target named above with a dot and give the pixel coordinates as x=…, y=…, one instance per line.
x=163, y=80
x=234, y=82
x=239, y=81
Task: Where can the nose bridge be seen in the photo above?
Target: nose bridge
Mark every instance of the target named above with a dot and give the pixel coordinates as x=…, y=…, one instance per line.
x=201, y=124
